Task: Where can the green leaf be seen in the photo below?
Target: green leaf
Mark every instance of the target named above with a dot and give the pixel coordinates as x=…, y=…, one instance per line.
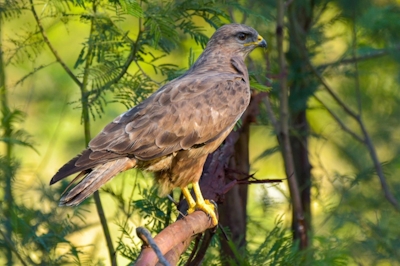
x=259, y=87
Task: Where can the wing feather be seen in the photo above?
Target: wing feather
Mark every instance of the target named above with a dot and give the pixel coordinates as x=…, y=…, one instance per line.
x=180, y=115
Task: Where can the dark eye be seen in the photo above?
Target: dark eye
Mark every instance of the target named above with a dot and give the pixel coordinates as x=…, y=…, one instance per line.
x=242, y=36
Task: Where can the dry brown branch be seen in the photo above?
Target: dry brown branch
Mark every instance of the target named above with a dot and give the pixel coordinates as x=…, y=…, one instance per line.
x=148, y=241
x=174, y=234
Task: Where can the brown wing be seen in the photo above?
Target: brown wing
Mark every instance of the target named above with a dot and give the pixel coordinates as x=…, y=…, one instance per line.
x=182, y=114
x=185, y=112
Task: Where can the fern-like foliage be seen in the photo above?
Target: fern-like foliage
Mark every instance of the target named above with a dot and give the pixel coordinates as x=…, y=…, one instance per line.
x=109, y=51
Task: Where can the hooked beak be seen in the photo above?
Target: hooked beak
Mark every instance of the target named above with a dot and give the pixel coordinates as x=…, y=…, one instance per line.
x=259, y=43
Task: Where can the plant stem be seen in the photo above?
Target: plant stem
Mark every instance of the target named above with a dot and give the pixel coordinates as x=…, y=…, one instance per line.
x=52, y=49
x=86, y=128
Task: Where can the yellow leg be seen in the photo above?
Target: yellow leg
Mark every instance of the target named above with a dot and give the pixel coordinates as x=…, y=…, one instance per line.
x=189, y=199
x=201, y=204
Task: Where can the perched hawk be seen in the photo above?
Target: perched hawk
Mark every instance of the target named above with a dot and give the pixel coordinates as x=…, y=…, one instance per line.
x=172, y=132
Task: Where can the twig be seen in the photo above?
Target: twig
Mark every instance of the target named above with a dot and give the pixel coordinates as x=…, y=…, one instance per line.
x=7, y=171
x=36, y=69
x=378, y=167
x=145, y=74
x=194, y=250
x=331, y=92
x=86, y=127
x=55, y=53
x=367, y=139
x=12, y=248
x=360, y=58
x=146, y=237
x=337, y=119
x=131, y=56
x=284, y=134
x=261, y=181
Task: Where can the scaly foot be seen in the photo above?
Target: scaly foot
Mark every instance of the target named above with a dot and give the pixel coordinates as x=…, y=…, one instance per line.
x=200, y=204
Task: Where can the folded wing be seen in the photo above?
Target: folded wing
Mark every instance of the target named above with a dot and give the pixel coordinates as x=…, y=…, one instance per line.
x=189, y=111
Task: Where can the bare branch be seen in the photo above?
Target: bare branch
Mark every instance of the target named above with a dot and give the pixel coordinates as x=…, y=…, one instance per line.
x=36, y=69
x=341, y=124
x=378, y=167
x=283, y=134
x=367, y=139
x=345, y=61
x=331, y=92
x=52, y=49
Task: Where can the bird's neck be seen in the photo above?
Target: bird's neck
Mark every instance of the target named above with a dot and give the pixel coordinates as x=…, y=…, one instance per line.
x=218, y=61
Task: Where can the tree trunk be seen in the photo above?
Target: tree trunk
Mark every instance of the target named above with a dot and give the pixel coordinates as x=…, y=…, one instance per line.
x=300, y=14
x=233, y=211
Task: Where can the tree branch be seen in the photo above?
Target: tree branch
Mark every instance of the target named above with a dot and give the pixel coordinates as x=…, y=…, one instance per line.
x=378, y=167
x=367, y=139
x=86, y=127
x=337, y=119
x=36, y=69
x=345, y=61
x=174, y=234
x=148, y=240
x=54, y=51
x=283, y=134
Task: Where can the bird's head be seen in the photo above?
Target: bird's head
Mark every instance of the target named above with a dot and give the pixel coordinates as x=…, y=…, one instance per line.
x=237, y=38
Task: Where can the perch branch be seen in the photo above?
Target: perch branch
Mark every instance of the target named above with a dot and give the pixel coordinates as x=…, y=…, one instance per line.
x=176, y=233
x=148, y=240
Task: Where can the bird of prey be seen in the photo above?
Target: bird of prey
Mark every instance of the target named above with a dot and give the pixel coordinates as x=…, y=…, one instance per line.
x=172, y=132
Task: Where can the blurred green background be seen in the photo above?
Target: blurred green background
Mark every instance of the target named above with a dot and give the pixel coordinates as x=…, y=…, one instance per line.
x=353, y=45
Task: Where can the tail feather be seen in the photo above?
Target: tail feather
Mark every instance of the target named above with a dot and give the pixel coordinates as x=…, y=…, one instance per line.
x=73, y=167
x=83, y=162
x=95, y=179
